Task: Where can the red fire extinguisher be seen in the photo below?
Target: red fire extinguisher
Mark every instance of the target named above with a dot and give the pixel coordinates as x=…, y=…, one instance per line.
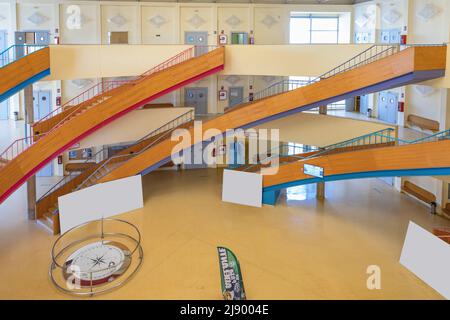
x=403, y=39
x=401, y=106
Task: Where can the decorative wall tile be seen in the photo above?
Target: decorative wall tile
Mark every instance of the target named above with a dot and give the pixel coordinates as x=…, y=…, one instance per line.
x=196, y=21
x=119, y=20
x=424, y=90
x=269, y=21
x=157, y=21
x=233, y=79
x=233, y=21
x=429, y=11
x=391, y=16
x=37, y=18
x=362, y=20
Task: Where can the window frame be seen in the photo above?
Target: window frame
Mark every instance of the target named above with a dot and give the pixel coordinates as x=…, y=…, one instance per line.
x=312, y=16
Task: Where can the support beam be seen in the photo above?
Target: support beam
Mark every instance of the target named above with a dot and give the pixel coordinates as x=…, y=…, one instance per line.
x=270, y=197
x=320, y=192
x=31, y=197
x=31, y=182
x=323, y=109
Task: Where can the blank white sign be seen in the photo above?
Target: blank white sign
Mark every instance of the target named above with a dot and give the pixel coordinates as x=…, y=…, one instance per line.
x=100, y=200
x=428, y=257
x=242, y=188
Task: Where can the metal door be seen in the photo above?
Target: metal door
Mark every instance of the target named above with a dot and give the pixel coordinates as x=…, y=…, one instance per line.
x=364, y=104
x=19, y=38
x=197, y=98
x=41, y=103
x=198, y=39
x=42, y=107
x=42, y=37
x=387, y=107
x=236, y=95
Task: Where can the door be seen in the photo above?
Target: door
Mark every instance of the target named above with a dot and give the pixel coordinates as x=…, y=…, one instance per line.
x=236, y=154
x=387, y=107
x=197, y=98
x=42, y=107
x=198, y=39
x=364, y=104
x=236, y=95
x=42, y=37
x=4, y=106
x=41, y=103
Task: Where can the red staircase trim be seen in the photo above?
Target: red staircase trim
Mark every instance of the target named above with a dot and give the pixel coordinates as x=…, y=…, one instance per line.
x=5, y=195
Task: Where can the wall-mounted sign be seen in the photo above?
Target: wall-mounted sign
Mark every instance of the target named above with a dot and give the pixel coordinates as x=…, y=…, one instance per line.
x=223, y=39
x=223, y=95
x=312, y=170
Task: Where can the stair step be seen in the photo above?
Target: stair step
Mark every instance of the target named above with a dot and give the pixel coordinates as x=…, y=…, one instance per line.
x=46, y=224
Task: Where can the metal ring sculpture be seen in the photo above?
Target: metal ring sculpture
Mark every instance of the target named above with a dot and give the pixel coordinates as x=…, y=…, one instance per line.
x=69, y=271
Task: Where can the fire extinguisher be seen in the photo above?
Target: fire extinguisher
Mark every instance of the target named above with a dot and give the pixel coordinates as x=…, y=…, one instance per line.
x=251, y=38
x=401, y=106
x=403, y=39
x=58, y=101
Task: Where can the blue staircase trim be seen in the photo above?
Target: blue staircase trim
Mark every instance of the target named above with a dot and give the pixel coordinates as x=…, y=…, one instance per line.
x=360, y=175
x=24, y=84
x=270, y=197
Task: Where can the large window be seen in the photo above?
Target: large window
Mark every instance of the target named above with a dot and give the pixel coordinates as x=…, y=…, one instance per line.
x=310, y=28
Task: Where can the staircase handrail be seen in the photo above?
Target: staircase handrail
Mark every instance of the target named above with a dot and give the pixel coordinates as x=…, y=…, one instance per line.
x=28, y=49
x=332, y=147
x=69, y=177
x=155, y=69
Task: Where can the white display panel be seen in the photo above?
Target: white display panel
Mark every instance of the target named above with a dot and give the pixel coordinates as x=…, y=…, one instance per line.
x=242, y=188
x=100, y=200
x=428, y=257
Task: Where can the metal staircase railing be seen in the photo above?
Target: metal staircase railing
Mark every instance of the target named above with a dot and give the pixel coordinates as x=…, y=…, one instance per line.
x=17, y=51
x=372, y=54
x=378, y=137
x=97, y=158
x=22, y=144
x=439, y=136
x=117, y=160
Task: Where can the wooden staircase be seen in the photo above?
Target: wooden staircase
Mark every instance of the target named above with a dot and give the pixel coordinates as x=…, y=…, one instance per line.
x=20, y=70
x=47, y=213
x=362, y=74
x=95, y=111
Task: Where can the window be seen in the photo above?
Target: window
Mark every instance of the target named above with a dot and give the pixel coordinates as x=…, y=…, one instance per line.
x=314, y=29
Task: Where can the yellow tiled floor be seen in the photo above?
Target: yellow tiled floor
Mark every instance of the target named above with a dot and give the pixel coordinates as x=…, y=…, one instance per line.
x=295, y=250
